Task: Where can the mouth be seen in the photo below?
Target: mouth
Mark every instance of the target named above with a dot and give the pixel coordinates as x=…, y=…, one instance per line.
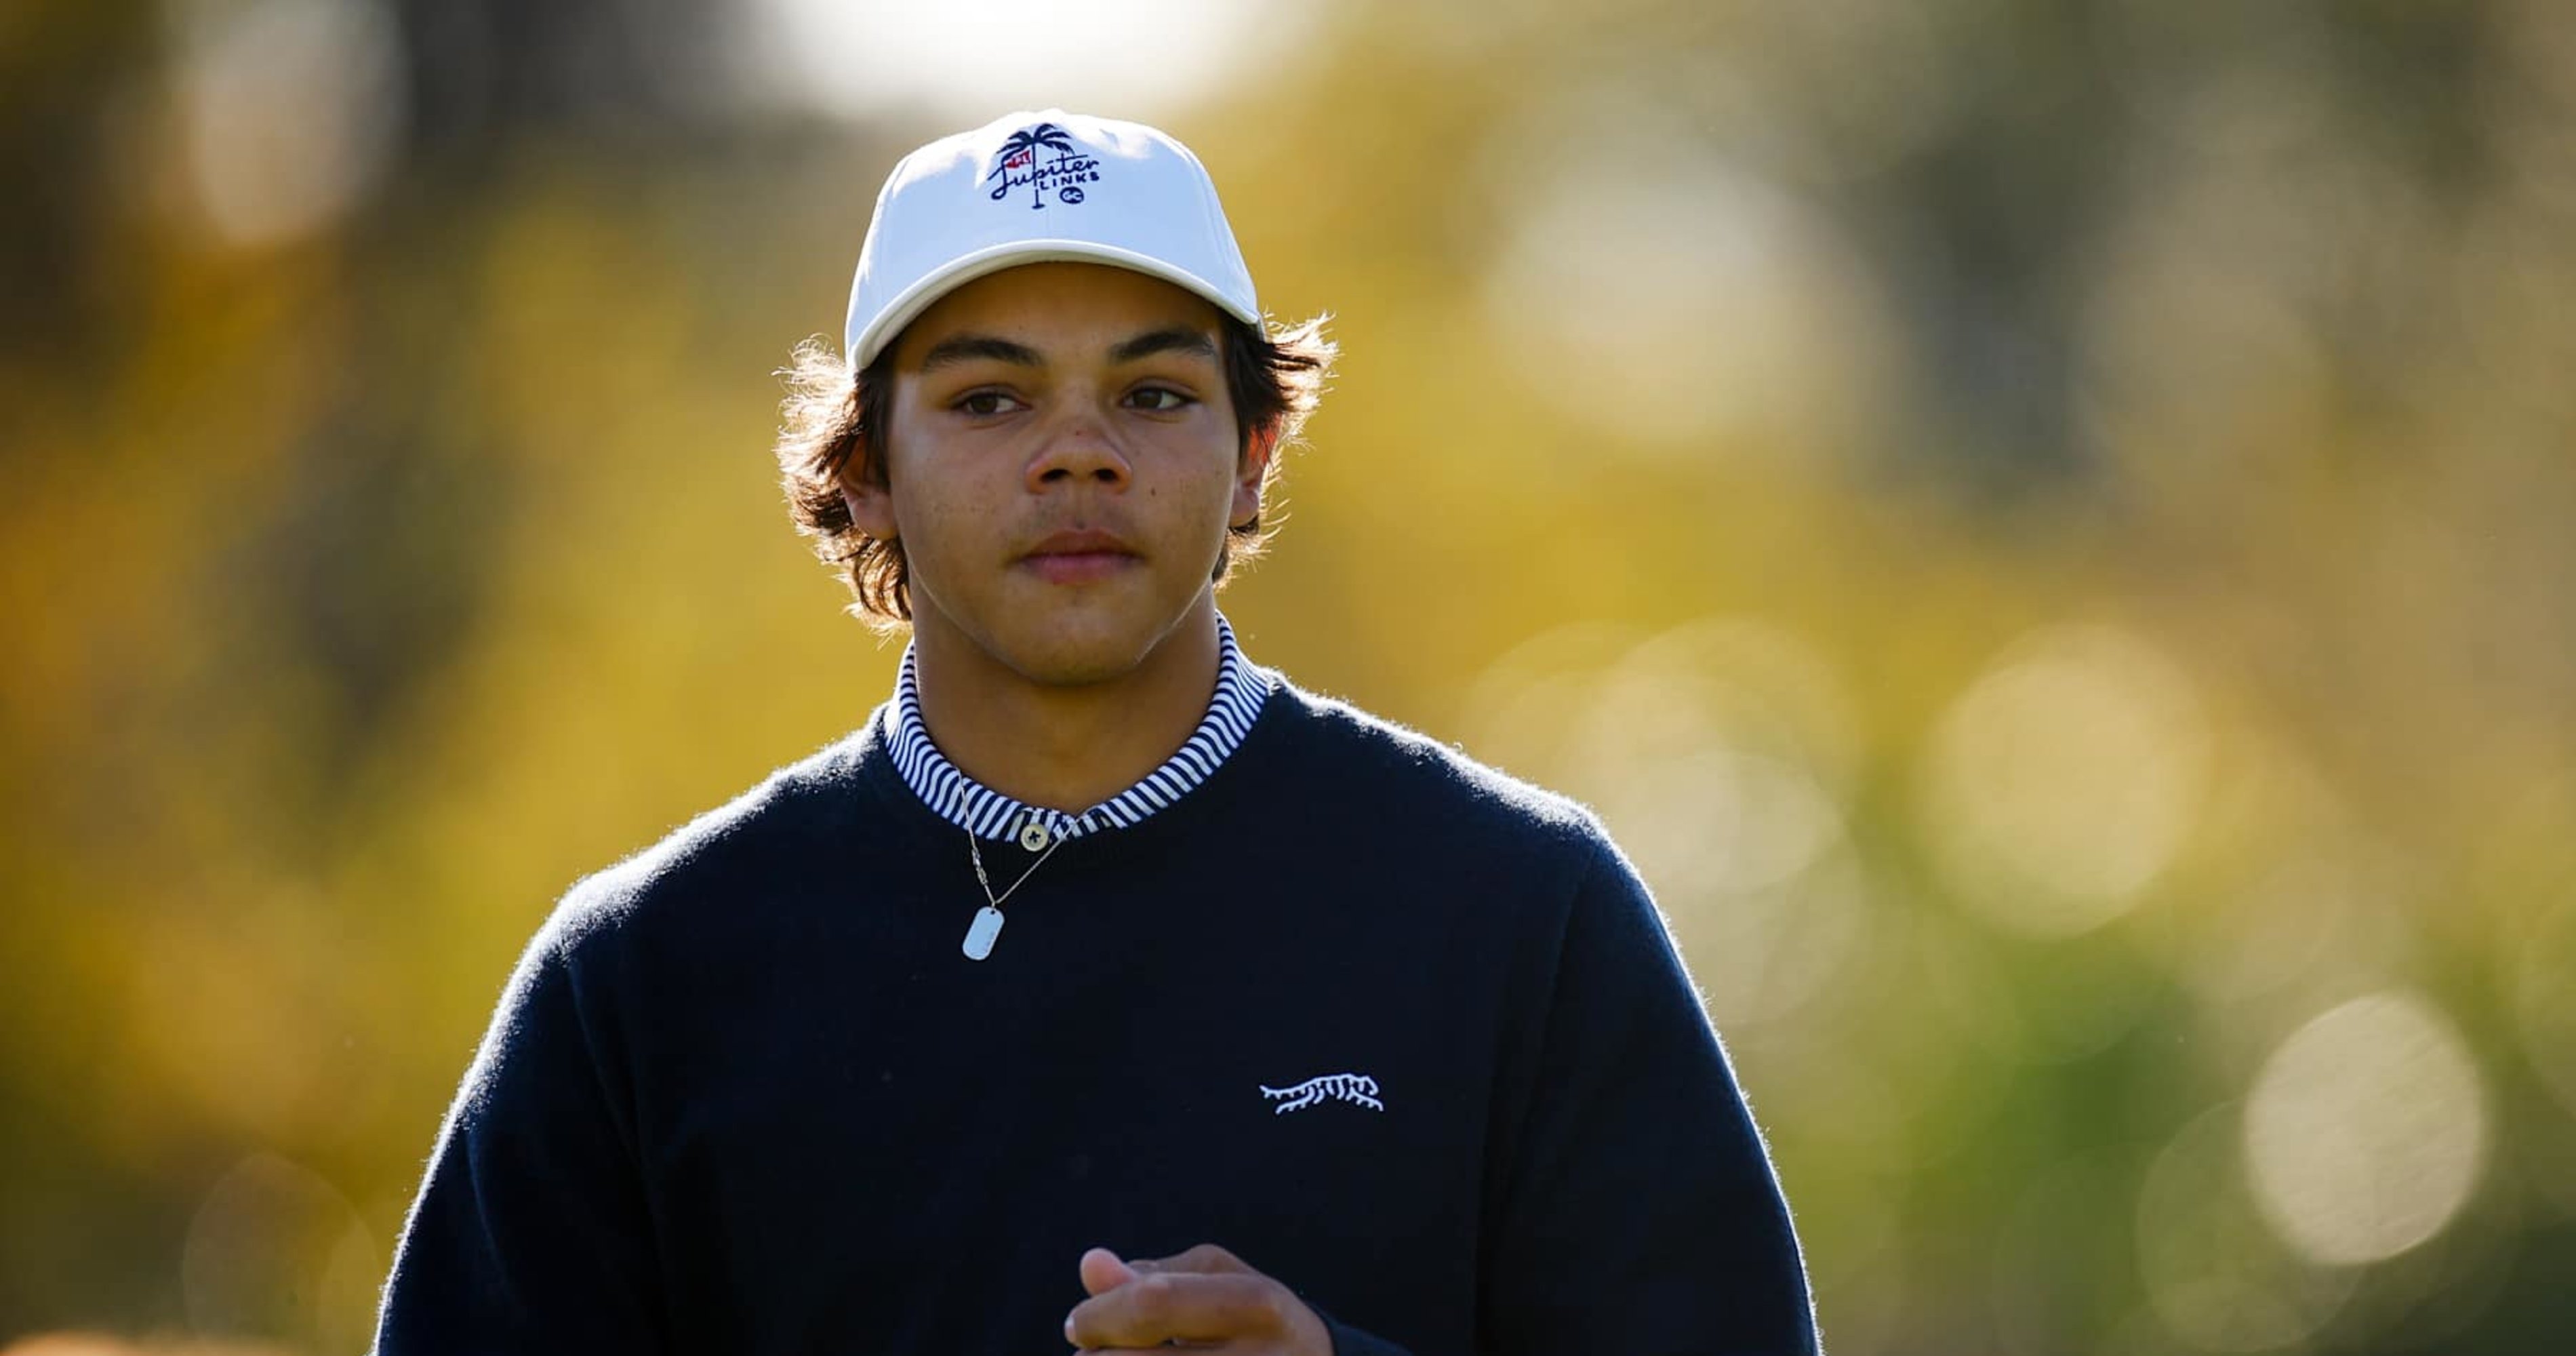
x=1080, y=557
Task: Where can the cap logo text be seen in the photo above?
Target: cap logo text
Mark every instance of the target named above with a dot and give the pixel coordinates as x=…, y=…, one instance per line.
x=1020, y=166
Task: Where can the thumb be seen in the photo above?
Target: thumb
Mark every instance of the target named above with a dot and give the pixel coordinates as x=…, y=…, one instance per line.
x=1103, y=1272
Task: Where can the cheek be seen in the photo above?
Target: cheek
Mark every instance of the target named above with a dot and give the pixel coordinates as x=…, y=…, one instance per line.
x=927, y=490
x=1199, y=460
x=920, y=513
x=932, y=523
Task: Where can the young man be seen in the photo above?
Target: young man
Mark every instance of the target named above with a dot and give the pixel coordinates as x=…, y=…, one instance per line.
x=1103, y=987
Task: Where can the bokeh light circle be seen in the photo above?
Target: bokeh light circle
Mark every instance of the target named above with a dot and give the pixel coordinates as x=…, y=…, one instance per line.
x=276, y=1251
x=2215, y=1276
x=2065, y=780
x=2366, y=1130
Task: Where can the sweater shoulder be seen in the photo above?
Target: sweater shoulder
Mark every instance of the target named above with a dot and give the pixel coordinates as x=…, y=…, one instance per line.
x=1408, y=771
x=750, y=838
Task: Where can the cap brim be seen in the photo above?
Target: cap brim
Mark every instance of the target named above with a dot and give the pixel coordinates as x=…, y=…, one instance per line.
x=922, y=295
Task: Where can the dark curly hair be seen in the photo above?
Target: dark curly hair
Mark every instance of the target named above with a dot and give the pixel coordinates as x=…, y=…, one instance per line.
x=830, y=413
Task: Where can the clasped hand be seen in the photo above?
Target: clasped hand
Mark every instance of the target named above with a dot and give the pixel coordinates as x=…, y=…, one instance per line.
x=1205, y=1298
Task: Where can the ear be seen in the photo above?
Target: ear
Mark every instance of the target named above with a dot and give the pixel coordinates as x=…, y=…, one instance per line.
x=1251, y=469
x=871, y=506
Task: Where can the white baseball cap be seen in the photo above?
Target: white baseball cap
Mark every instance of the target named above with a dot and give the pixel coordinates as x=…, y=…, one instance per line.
x=1040, y=186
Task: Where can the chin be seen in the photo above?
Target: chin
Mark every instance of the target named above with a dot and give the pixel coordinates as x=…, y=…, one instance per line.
x=1079, y=647
x=1094, y=637
x=1081, y=658
x=1076, y=673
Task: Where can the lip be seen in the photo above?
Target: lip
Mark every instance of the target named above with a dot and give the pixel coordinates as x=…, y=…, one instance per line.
x=1083, y=542
x=1074, y=557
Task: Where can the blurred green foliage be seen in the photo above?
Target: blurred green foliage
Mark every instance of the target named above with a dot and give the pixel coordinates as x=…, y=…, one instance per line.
x=2046, y=528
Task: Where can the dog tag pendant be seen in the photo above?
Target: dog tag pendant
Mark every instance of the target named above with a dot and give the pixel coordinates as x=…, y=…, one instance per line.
x=979, y=938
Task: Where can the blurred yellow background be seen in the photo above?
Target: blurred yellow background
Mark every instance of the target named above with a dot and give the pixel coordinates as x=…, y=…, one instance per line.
x=2046, y=528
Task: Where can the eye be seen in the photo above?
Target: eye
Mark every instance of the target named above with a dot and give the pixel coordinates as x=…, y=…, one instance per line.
x=985, y=403
x=1160, y=400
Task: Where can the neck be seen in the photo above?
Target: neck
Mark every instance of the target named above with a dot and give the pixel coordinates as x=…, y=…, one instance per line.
x=1067, y=747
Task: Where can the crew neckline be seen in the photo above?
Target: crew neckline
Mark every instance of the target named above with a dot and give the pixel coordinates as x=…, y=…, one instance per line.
x=1241, y=691
x=867, y=761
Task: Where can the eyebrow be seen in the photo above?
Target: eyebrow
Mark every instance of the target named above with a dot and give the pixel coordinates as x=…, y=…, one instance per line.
x=961, y=348
x=1175, y=339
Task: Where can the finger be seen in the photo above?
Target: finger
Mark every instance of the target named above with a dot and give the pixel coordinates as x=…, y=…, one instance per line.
x=1101, y=1270
x=1165, y=1306
x=1206, y=1259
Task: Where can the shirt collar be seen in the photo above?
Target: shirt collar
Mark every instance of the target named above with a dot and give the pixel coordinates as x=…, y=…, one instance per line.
x=1241, y=688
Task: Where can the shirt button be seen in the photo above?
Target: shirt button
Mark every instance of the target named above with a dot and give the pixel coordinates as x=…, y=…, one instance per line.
x=1033, y=836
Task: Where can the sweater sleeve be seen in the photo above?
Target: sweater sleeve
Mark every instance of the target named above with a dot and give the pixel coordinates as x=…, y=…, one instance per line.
x=530, y=1233
x=1642, y=1214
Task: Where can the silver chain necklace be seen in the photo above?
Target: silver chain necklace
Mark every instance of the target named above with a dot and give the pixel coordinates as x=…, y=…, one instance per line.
x=987, y=926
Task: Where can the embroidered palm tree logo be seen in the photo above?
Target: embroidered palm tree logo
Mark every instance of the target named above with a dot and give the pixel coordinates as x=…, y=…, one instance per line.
x=1020, y=152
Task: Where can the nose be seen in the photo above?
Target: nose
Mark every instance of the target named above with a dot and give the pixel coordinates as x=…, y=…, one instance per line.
x=1080, y=445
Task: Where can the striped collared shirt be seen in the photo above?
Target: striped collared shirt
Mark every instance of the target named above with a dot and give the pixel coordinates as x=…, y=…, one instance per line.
x=1241, y=687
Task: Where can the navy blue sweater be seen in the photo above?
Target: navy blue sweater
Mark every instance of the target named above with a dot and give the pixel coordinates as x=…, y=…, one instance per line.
x=1397, y=1030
